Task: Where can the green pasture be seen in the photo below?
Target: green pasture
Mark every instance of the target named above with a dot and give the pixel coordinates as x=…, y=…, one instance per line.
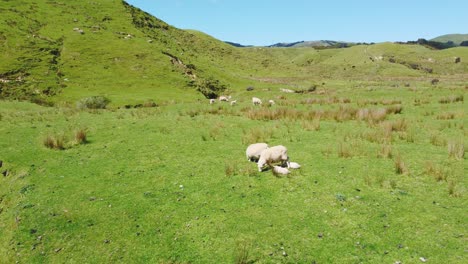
x=171, y=184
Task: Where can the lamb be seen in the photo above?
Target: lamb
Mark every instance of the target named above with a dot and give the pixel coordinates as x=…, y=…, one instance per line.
x=234, y=102
x=212, y=101
x=293, y=165
x=254, y=150
x=273, y=154
x=271, y=102
x=256, y=101
x=280, y=170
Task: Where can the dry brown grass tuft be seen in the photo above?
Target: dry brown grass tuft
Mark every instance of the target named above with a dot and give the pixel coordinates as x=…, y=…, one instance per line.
x=385, y=151
x=437, y=140
x=55, y=142
x=435, y=171
x=81, y=136
x=451, y=99
x=313, y=125
x=456, y=150
x=446, y=116
x=400, y=166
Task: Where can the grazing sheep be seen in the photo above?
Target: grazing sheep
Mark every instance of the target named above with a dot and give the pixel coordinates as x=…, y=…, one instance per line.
x=224, y=98
x=256, y=101
x=234, y=102
x=293, y=165
x=286, y=90
x=271, y=102
x=212, y=101
x=280, y=170
x=273, y=154
x=254, y=150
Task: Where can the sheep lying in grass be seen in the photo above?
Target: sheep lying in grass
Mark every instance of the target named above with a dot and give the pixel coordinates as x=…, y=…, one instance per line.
x=293, y=165
x=271, y=102
x=254, y=150
x=271, y=155
x=212, y=101
x=256, y=101
x=280, y=170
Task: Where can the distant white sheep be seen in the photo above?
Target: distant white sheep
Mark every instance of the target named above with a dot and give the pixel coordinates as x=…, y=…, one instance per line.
x=271, y=102
x=212, y=101
x=271, y=155
x=254, y=150
x=280, y=170
x=224, y=98
x=234, y=102
x=256, y=101
x=293, y=165
x=286, y=90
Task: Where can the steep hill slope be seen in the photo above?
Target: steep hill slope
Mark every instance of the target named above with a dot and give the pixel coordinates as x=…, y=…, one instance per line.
x=66, y=50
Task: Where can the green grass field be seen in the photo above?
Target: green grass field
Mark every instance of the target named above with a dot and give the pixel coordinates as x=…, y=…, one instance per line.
x=171, y=184
x=380, y=132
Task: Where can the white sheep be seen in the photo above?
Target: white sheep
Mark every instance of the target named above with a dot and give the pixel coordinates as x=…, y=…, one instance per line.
x=271, y=102
x=234, y=102
x=280, y=170
x=224, y=98
x=254, y=150
x=271, y=155
x=212, y=101
x=293, y=165
x=256, y=101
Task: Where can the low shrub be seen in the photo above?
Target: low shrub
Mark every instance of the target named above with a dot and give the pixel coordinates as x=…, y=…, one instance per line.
x=93, y=102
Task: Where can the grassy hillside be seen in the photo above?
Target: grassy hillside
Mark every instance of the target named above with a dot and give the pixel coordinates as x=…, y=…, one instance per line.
x=63, y=51
x=455, y=38
x=380, y=132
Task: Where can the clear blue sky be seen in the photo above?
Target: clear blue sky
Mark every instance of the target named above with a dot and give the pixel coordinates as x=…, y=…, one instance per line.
x=265, y=22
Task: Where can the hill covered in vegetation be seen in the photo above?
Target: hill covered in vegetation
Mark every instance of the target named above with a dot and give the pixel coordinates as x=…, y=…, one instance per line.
x=62, y=51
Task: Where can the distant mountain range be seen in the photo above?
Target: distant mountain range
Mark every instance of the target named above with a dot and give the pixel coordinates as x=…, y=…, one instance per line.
x=456, y=39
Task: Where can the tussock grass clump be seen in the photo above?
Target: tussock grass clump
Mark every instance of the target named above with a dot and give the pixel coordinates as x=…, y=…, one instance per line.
x=54, y=142
x=435, y=171
x=451, y=99
x=385, y=151
x=61, y=141
x=394, y=109
x=313, y=125
x=400, y=166
x=93, y=102
x=256, y=135
x=274, y=114
x=437, y=140
x=456, y=149
x=446, y=116
x=344, y=150
x=371, y=115
x=80, y=136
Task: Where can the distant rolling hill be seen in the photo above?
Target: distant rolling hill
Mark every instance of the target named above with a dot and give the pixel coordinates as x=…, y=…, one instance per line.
x=457, y=39
x=53, y=51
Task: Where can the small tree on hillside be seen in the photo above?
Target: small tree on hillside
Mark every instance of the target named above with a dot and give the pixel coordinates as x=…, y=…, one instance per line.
x=210, y=88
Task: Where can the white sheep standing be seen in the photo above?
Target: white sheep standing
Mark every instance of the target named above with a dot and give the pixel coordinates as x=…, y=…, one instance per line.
x=256, y=101
x=234, y=102
x=280, y=170
x=293, y=165
x=254, y=150
x=224, y=98
x=271, y=102
x=212, y=101
x=271, y=155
